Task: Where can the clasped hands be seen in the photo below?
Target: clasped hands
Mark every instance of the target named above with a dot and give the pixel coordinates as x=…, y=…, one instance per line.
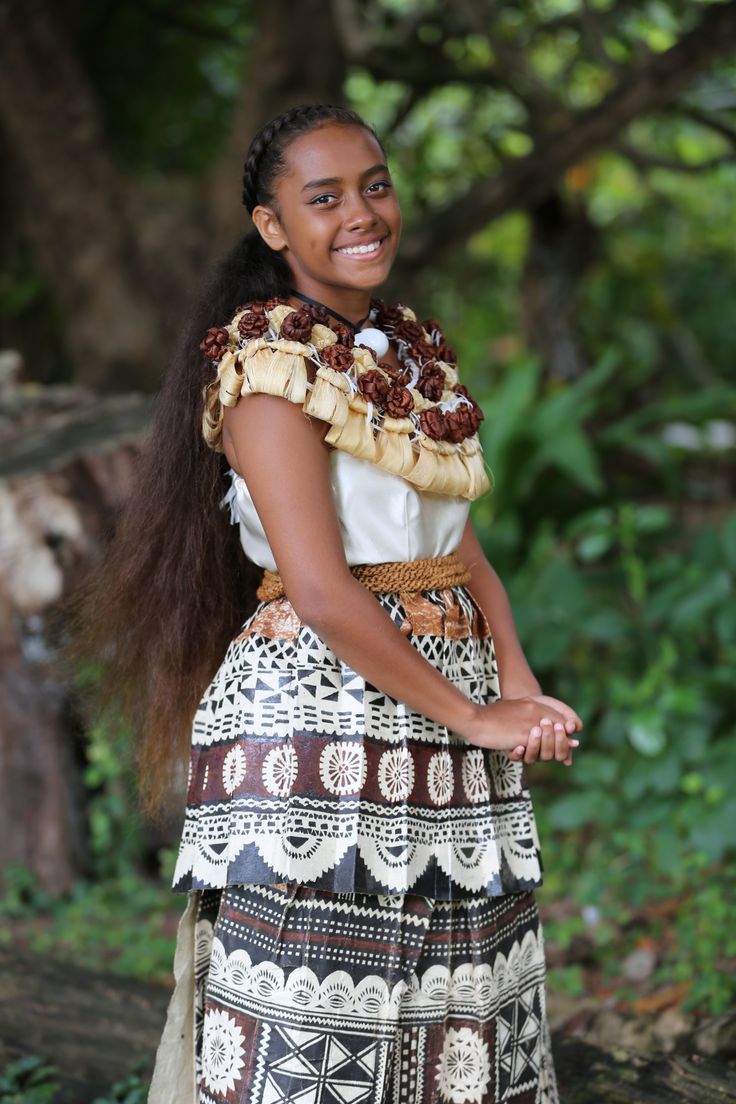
x=529, y=727
x=553, y=735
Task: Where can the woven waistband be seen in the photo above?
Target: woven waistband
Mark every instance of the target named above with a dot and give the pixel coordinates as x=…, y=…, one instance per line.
x=392, y=575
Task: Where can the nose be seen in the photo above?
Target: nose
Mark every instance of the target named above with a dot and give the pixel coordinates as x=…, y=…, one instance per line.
x=359, y=213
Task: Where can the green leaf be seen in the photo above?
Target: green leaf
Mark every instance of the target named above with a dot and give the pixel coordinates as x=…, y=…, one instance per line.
x=652, y=519
x=725, y=621
x=606, y=626
x=646, y=734
x=578, y=809
x=596, y=768
x=729, y=541
x=593, y=546
x=570, y=451
x=713, y=830
x=703, y=599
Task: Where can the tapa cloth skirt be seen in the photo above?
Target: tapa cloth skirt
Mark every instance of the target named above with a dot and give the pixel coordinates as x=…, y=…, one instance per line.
x=303, y=771
x=360, y=924
x=293, y=995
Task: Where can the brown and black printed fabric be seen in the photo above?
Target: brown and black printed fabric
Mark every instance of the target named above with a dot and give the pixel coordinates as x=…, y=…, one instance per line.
x=301, y=770
x=308, y=997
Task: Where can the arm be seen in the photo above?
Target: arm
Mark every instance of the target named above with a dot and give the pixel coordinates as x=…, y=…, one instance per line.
x=282, y=456
x=293, y=496
x=515, y=675
x=516, y=678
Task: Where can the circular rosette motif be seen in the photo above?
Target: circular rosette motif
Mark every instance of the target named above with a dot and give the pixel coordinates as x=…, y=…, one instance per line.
x=233, y=769
x=279, y=770
x=475, y=776
x=506, y=774
x=214, y=343
x=297, y=325
x=440, y=780
x=252, y=324
x=464, y=1067
x=222, y=1051
x=338, y=357
x=396, y=774
x=342, y=767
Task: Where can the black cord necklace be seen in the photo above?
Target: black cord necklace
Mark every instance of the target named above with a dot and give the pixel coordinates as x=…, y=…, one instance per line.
x=315, y=303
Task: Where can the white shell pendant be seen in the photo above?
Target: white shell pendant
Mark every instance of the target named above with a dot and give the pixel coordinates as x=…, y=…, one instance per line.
x=374, y=339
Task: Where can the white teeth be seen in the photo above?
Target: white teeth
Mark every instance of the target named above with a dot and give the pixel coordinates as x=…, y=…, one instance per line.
x=361, y=248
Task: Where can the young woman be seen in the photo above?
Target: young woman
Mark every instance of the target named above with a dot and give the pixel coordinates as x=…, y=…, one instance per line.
x=359, y=847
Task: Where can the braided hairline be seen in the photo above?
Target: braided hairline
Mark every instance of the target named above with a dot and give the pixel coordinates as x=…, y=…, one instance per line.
x=269, y=132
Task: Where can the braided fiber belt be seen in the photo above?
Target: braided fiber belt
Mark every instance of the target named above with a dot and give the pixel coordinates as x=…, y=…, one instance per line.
x=392, y=575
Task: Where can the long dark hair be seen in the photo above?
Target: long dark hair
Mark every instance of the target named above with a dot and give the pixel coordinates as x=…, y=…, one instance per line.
x=160, y=608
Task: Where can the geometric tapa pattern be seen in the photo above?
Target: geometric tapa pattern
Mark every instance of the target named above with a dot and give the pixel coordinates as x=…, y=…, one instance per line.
x=301, y=770
x=312, y=997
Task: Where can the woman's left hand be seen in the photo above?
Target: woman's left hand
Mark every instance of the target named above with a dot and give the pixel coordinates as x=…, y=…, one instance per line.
x=542, y=738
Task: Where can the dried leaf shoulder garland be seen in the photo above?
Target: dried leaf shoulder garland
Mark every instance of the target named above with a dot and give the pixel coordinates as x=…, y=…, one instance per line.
x=419, y=421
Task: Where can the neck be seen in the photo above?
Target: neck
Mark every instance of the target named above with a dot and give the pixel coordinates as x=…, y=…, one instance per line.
x=352, y=303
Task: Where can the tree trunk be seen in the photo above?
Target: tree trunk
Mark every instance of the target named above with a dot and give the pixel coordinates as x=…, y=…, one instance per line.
x=75, y=203
x=283, y=71
x=62, y=476
x=562, y=243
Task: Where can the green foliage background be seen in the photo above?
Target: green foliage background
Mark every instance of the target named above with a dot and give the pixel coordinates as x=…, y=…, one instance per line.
x=619, y=548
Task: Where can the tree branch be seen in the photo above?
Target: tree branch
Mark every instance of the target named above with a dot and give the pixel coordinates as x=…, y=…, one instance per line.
x=280, y=73
x=711, y=122
x=75, y=203
x=527, y=180
x=359, y=27
x=180, y=21
x=644, y=162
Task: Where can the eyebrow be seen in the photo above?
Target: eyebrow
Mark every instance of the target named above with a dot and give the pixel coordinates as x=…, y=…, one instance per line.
x=338, y=179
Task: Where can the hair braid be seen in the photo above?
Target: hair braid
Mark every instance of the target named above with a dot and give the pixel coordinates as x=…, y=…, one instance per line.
x=264, y=159
x=262, y=140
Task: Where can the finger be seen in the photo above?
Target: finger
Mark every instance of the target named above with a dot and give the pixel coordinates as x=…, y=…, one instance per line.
x=562, y=744
x=576, y=718
x=567, y=712
x=570, y=717
x=517, y=752
x=548, y=739
x=572, y=744
x=531, y=753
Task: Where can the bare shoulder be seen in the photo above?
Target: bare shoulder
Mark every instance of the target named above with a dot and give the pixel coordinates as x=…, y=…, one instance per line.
x=280, y=453
x=271, y=419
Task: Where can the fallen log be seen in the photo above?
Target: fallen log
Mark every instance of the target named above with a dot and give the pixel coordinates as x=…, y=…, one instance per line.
x=95, y=1026
x=592, y=1075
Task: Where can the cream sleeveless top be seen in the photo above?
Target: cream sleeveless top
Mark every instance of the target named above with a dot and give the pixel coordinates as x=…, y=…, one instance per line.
x=382, y=516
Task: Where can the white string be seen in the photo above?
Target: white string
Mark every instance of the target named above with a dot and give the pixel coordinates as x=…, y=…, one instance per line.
x=229, y=499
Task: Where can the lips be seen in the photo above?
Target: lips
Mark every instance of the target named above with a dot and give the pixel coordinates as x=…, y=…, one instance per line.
x=357, y=245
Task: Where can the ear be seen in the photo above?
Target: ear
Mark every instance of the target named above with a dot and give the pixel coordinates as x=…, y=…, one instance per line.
x=266, y=222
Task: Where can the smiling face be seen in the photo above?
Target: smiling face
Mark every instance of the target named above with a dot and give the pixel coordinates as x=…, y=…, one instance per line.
x=332, y=205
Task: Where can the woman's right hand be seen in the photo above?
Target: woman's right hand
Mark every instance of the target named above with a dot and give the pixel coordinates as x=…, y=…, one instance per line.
x=523, y=728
